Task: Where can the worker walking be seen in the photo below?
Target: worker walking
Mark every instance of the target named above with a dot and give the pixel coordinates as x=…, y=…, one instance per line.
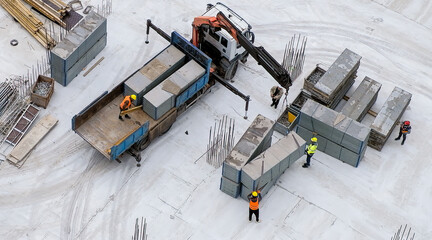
x=276, y=93
x=310, y=150
x=404, y=129
x=254, y=199
x=125, y=104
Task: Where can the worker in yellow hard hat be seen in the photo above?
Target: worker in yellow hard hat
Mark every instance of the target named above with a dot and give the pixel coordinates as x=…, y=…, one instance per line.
x=254, y=198
x=125, y=104
x=310, y=150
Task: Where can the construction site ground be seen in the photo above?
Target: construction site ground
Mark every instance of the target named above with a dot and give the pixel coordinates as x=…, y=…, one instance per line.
x=68, y=190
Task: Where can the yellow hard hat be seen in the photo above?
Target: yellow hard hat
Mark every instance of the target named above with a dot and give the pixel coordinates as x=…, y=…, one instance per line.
x=133, y=97
x=254, y=194
x=314, y=139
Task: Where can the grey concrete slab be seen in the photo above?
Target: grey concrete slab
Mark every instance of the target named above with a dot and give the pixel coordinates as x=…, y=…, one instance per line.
x=157, y=102
x=333, y=149
x=229, y=187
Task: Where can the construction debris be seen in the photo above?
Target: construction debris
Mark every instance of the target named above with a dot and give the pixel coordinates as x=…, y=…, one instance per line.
x=294, y=56
x=221, y=142
x=29, y=21
x=388, y=117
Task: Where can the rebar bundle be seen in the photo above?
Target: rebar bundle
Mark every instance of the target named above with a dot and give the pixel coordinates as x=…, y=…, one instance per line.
x=105, y=9
x=8, y=93
x=140, y=230
x=11, y=115
x=221, y=141
x=294, y=56
x=400, y=235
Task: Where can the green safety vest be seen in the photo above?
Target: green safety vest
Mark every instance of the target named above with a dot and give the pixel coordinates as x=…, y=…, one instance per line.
x=312, y=148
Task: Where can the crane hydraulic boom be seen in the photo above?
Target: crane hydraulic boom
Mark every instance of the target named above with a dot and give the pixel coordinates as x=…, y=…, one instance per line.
x=273, y=67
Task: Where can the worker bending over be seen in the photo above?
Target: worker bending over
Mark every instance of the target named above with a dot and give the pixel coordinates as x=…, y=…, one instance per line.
x=310, y=150
x=125, y=105
x=276, y=93
x=404, y=129
x=254, y=198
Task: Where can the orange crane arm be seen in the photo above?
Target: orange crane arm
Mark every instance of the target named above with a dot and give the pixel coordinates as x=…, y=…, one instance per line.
x=214, y=22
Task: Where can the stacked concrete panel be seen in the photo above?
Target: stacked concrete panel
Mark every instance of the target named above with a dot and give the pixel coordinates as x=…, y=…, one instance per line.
x=388, y=117
x=255, y=140
x=264, y=170
x=154, y=72
x=183, y=78
x=337, y=80
x=338, y=135
x=80, y=46
x=157, y=102
x=362, y=99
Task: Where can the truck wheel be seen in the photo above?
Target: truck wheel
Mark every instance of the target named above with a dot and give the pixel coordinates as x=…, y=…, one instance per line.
x=228, y=69
x=142, y=144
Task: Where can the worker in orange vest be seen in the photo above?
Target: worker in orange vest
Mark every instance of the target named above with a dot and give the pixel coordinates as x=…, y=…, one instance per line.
x=404, y=129
x=254, y=198
x=125, y=104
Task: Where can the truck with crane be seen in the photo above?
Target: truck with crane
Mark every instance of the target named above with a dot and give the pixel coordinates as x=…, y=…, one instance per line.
x=221, y=39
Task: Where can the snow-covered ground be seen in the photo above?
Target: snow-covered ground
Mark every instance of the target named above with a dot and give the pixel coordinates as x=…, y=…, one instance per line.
x=68, y=190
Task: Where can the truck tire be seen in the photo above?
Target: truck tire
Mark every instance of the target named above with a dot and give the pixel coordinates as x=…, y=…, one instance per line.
x=142, y=144
x=228, y=69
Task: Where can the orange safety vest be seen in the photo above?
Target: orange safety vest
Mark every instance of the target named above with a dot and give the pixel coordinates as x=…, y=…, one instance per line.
x=253, y=205
x=127, y=101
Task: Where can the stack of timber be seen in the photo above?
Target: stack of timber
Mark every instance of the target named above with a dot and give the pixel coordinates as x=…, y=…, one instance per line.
x=153, y=73
x=338, y=135
x=80, y=46
x=337, y=80
x=57, y=11
x=162, y=98
x=263, y=171
x=362, y=99
x=29, y=21
x=254, y=141
x=388, y=117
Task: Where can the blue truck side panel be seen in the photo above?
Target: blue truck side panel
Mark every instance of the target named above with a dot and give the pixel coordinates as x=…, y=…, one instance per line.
x=194, y=88
x=117, y=150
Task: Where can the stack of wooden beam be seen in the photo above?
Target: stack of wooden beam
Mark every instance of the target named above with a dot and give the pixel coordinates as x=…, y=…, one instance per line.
x=388, y=117
x=52, y=9
x=338, y=79
x=29, y=21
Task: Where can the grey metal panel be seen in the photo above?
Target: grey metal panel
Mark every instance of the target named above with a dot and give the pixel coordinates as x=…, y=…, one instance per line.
x=322, y=120
x=244, y=192
x=322, y=143
x=349, y=157
x=246, y=147
x=332, y=80
x=362, y=99
x=333, y=149
x=340, y=125
x=157, y=102
x=229, y=187
x=356, y=137
x=308, y=109
x=231, y=172
x=304, y=133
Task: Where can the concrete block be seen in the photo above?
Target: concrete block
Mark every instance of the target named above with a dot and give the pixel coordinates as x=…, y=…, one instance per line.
x=229, y=187
x=157, y=102
x=333, y=149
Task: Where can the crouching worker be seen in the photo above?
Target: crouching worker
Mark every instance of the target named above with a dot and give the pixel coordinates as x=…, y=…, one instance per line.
x=254, y=199
x=125, y=105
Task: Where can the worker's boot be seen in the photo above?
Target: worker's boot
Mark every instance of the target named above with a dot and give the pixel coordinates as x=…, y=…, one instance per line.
x=127, y=116
x=403, y=141
x=397, y=138
x=120, y=117
x=305, y=165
